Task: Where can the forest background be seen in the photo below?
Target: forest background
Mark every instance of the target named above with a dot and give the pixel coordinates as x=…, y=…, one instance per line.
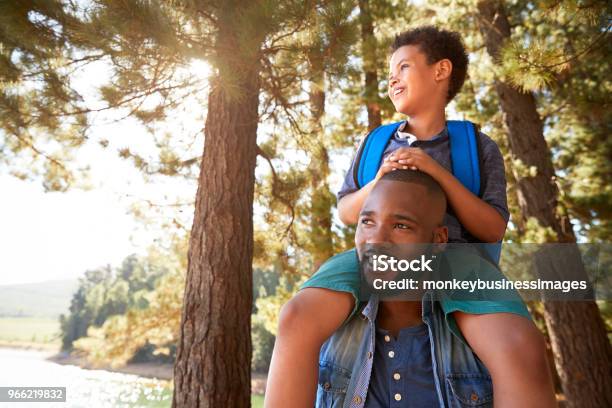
x=277, y=96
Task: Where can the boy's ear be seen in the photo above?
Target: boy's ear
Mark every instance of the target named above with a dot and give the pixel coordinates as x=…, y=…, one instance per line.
x=444, y=68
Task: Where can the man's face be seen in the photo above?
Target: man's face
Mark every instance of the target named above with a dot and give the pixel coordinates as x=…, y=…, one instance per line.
x=412, y=82
x=396, y=212
x=398, y=220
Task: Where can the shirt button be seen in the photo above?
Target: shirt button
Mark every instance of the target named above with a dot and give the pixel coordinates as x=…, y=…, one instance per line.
x=391, y=354
x=369, y=354
x=357, y=399
x=396, y=376
x=326, y=386
x=474, y=397
x=398, y=397
x=387, y=338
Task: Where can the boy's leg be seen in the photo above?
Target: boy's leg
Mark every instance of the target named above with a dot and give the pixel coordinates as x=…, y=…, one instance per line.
x=305, y=322
x=513, y=350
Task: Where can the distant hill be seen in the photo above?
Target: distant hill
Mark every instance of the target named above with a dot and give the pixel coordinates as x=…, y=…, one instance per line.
x=43, y=299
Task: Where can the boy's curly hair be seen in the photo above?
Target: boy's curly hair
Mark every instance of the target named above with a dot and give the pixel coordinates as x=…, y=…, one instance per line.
x=438, y=44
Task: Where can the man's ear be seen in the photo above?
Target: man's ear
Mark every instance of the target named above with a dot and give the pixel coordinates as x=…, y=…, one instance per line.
x=443, y=69
x=440, y=238
x=440, y=235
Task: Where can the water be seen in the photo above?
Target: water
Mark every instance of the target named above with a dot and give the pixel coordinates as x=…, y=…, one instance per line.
x=84, y=388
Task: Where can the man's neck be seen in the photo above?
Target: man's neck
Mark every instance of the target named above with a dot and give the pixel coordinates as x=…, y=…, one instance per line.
x=426, y=125
x=395, y=315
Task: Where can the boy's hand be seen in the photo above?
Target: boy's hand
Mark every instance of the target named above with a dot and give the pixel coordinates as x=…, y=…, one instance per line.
x=415, y=159
x=387, y=166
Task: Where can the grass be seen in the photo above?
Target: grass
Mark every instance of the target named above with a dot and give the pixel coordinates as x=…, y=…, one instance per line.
x=257, y=401
x=37, y=330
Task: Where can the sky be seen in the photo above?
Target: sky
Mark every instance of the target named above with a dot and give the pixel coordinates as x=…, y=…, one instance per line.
x=56, y=236
x=53, y=236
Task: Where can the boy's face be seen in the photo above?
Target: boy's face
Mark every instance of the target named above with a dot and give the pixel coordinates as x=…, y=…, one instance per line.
x=415, y=86
x=396, y=212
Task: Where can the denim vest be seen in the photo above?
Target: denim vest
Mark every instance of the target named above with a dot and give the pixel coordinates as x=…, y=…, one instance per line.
x=345, y=363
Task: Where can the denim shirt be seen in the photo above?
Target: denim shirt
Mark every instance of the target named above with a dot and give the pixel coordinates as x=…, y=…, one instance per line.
x=345, y=362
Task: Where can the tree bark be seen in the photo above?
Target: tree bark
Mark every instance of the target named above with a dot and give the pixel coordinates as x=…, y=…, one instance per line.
x=368, y=51
x=321, y=200
x=583, y=356
x=212, y=367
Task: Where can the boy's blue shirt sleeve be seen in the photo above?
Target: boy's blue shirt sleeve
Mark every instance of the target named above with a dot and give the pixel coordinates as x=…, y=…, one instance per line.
x=494, y=176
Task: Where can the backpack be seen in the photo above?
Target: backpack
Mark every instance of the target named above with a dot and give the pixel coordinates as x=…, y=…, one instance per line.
x=465, y=157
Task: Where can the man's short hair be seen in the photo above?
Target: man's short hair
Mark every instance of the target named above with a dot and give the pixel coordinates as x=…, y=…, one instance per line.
x=437, y=45
x=418, y=177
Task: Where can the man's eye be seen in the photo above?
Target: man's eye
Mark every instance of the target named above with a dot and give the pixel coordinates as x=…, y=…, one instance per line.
x=366, y=221
x=404, y=66
x=402, y=226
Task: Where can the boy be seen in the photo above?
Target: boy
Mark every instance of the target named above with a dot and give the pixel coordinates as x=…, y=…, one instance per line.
x=427, y=69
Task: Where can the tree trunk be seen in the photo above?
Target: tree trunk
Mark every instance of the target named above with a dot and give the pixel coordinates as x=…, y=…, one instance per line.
x=321, y=199
x=213, y=361
x=368, y=50
x=583, y=356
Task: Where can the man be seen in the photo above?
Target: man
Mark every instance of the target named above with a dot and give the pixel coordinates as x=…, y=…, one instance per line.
x=403, y=353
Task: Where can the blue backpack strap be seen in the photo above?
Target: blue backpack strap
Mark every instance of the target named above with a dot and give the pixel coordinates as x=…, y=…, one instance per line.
x=464, y=154
x=369, y=156
x=465, y=159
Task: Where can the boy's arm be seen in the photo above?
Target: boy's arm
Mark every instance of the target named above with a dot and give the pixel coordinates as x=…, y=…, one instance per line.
x=481, y=219
x=350, y=205
x=478, y=217
x=513, y=350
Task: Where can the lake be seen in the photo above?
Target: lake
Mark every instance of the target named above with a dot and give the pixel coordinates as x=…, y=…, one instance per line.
x=84, y=388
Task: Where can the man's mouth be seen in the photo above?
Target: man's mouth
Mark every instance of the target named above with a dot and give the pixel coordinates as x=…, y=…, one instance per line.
x=397, y=91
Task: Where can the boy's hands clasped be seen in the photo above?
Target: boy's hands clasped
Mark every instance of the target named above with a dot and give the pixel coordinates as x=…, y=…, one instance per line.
x=408, y=158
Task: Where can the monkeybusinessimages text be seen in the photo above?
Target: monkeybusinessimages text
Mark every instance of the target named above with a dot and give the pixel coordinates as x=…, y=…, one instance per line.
x=387, y=263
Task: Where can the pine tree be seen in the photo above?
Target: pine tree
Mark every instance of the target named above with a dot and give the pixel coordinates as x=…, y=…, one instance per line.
x=147, y=43
x=585, y=381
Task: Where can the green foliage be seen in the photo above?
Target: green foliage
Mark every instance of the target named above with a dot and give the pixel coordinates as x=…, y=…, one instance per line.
x=263, y=344
x=122, y=336
x=137, y=313
x=103, y=293
x=35, y=93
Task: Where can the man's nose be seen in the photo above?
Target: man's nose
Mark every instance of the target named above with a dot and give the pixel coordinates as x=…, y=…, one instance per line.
x=378, y=235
